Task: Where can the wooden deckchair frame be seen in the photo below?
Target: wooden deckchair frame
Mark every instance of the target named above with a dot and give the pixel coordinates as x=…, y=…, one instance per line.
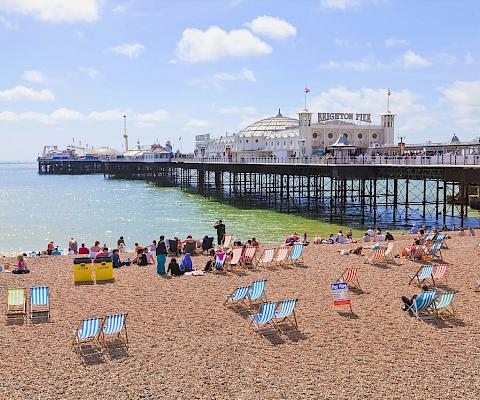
x=40, y=309
x=341, y=278
x=260, y=260
x=448, y=311
x=92, y=339
x=283, y=260
x=15, y=311
x=118, y=335
x=374, y=259
x=418, y=282
x=287, y=318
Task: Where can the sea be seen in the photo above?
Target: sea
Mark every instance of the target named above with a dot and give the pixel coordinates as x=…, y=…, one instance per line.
x=36, y=209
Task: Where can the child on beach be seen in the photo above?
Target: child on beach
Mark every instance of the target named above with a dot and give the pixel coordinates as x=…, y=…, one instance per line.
x=21, y=266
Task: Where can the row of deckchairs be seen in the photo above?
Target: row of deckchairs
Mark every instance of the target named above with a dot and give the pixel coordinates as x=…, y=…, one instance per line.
x=282, y=255
x=429, y=274
x=431, y=248
x=17, y=303
x=250, y=293
x=433, y=302
x=242, y=257
x=97, y=330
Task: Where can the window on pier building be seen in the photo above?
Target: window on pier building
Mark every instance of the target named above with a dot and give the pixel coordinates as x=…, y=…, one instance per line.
x=360, y=136
x=330, y=135
x=315, y=135
x=374, y=136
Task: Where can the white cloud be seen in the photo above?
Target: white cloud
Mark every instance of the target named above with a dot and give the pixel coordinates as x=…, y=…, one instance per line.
x=34, y=76
x=365, y=64
x=23, y=93
x=195, y=123
x=79, y=34
x=464, y=98
x=272, y=27
x=196, y=45
x=345, y=4
x=155, y=116
x=60, y=114
x=143, y=125
x=55, y=10
x=131, y=50
x=411, y=59
x=120, y=8
x=91, y=72
x=468, y=60
x=339, y=42
x=237, y=110
x=393, y=41
x=7, y=24
x=107, y=115
x=216, y=81
x=417, y=123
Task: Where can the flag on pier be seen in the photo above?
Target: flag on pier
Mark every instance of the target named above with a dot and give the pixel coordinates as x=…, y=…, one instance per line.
x=389, y=92
x=306, y=90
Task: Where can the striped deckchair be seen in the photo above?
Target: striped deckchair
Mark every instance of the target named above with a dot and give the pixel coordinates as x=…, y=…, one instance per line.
x=389, y=256
x=417, y=253
x=423, y=274
x=237, y=296
x=285, y=310
x=435, y=250
x=248, y=255
x=281, y=256
x=377, y=257
x=296, y=256
x=265, y=316
x=236, y=257
x=114, y=325
x=350, y=275
x=227, y=240
x=16, y=304
x=219, y=262
x=89, y=331
x=39, y=302
x=439, y=272
x=266, y=258
x=422, y=303
x=443, y=306
x=257, y=291
x=428, y=238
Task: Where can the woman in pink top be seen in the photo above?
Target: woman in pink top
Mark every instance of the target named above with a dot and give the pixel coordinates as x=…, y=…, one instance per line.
x=21, y=266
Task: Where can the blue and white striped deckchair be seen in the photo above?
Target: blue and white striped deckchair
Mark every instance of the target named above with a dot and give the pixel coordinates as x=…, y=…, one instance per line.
x=89, y=331
x=114, y=325
x=238, y=295
x=425, y=272
x=422, y=302
x=296, y=256
x=286, y=309
x=440, y=238
x=435, y=250
x=265, y=316
x=39, y=302
x=257, y=291
x=443, y=306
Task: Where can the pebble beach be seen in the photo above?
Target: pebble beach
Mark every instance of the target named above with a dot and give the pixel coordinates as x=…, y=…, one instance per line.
x=185, y=344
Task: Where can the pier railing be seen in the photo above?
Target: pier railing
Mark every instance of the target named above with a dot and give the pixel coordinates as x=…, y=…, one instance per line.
x=450, y=159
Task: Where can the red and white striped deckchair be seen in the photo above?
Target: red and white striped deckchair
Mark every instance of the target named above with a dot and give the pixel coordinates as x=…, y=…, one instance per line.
x=248, y=255
x=281, y=256
x=350, y=275
x=266, y=258
x=227, y=240
x=389, y=256
x=417, y=253
x=378, y=256
x=236, y=257
x=439, y=273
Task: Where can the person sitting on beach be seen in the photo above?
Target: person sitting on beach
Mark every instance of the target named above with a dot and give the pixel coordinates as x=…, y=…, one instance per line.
x=141, y=258
x=95, y=249
x=73, y=245
x=120, y=241
x=83, y=249
x=414, y=230
x=210, y=262
x=408, y=302
x=174, y=268
x=153, y=246
x=71, y=252
x=340, y=237
x=186, y=264
x=115, y=258
x=379, y=237
x=349, y=235
x=331, y=239
x=255, y=242
x=389, y=236
x=137, y=247
x=366, y=237
x=102, y=253
x=150, y=255
x=21, y=266
x=370, y=232
x=56, y=252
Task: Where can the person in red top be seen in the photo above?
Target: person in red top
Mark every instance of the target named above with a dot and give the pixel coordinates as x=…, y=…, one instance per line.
x=83, y=249
x=103, y=253
x=50, y=248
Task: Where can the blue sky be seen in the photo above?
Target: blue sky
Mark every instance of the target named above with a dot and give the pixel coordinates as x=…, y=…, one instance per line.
x=180, y=68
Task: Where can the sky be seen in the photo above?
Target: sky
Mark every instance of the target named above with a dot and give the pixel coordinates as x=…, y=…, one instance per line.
x=71, y=69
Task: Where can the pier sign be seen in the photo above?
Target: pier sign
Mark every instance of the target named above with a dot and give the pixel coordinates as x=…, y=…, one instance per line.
x=322, y=117
x=340, y=293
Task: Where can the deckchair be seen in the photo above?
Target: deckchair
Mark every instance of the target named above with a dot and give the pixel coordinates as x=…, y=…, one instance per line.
x=227, y=240
x=219, y=262
x=238, y=295
x=378, y=256
x=266, y=258
x=281, y=256
x=39, y=302
x=428, y=238
x=424, y=273
x=256, y=291
x=265, y=316
x=422, y=303
x=296, y=256
x=434, y=250
x=248, y=255
x=114, y=325
x=285, y=310
x=417, y=253
x=389, y=252
x=350, y=275
x=236, y=256
x=443, y=306
x=439, y=272
x=89, y=331
x=16, y=304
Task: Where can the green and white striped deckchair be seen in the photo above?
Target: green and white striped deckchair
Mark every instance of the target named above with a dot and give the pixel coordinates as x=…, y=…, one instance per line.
x=443, y=306
x=39, y=302
x=16, y=304
x=114, y=325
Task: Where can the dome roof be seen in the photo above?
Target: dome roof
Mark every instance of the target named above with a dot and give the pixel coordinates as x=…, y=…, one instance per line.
x=268, y=126
x=454, y=139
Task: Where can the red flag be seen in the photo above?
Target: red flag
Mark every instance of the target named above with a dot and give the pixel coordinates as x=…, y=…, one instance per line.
x=306, y=90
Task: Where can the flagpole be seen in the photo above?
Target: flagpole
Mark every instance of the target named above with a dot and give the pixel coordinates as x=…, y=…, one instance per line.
x=305, y=92
x=388, y=100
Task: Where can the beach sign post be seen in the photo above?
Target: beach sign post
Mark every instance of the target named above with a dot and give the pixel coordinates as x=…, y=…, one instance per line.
x=103, y=269
x=341, y=296
x=82, y=270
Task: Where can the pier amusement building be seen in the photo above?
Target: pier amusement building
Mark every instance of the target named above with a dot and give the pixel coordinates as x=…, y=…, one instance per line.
x=282, y=137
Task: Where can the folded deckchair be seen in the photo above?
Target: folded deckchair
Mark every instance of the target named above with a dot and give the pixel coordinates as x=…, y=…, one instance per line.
x=378, y=256
x=443, y=306
x=257, y=291
x=114, y=325
x=281, y=256
x=423, y=302
x=236, y=256
x=435, y=250
x=266, y=258
x=265, y=316
x=296, y=256
x=285, y=310
x=227, y=240
x=238, y=295
x=248, y=255
x=422, y=275
x=16, y=304
x=350, y=275
x=39, y=302
x=89, y=331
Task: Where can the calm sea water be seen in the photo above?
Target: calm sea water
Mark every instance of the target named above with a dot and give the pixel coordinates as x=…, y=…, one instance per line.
x=36, y=209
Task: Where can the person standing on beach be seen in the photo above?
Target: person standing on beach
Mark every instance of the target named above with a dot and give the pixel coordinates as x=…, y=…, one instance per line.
x=73, y=245
x=161, y=252
x=50, y=248
x=220, y=227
